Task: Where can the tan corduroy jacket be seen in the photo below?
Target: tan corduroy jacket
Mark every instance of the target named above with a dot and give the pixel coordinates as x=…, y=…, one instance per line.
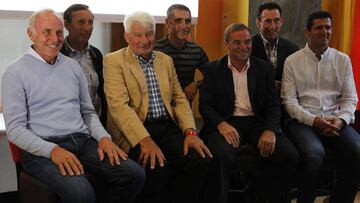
x=127, y=96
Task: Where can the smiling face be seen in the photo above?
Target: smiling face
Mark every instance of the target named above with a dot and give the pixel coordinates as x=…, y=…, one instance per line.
x=179, y=24
x=269, y=24
x=141, y=39
x=47, y=35
x=239, y=45
x=319, y=34
x=81, y=25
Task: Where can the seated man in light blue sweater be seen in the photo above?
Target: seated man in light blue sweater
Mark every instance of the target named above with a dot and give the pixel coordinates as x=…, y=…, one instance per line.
x=49, y=115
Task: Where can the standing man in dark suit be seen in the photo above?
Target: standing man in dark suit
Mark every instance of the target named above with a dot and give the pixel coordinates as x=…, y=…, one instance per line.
x=79, y=21
x=239, y=104
x=268, y=45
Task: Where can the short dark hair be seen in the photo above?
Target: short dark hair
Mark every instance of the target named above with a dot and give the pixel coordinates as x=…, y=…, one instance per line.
x=269, y=6
x=169, y=12
x=75, y=7
x=233, y=28
x=316, y=15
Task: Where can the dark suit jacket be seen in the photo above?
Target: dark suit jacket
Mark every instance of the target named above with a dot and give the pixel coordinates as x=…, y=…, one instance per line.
x=285, y=48
x=217, y=97
x=97, y=59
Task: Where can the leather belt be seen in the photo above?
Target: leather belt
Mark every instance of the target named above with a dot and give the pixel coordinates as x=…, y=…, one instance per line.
x=155, y=120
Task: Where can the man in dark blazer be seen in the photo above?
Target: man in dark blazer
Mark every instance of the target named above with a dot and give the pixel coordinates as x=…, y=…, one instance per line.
x=240, y=105
x=268, y=45
x=78, y=20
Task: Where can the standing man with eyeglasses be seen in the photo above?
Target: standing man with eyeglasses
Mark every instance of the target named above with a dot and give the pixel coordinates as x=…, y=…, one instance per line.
x=187, y=56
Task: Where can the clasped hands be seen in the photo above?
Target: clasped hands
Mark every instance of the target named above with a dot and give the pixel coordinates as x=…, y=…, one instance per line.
x=266, y=143
x=69, y=164
x=328, y=126
x=150, y=150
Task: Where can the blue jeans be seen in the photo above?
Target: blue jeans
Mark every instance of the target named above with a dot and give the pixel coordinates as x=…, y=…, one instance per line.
x=310, y=146
x=125, y=181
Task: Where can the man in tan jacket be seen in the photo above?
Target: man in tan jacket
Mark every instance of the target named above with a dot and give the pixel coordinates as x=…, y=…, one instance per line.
x=149, y=115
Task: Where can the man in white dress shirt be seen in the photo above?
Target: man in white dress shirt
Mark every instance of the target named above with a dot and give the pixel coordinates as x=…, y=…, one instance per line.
x=319, y=94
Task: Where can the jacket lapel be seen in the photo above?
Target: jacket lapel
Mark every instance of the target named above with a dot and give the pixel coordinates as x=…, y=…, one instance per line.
x=161, y=75
x=136, y=70
x=251, y=80
x=227, y=78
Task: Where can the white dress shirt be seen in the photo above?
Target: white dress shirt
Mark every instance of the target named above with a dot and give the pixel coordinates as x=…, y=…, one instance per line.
x=242, y=99
x=313, y=87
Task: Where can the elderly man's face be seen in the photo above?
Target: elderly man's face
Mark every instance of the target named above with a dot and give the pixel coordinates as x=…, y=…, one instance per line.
x=47, y=36
x=141, y=39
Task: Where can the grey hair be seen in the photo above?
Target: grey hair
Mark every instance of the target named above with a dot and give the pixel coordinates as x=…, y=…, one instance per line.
x=36, y=14
x=170, y=11
x=233, y=28
x=141, y=17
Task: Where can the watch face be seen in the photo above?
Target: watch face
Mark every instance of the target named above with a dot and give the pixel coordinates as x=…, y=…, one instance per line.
x=197, y=83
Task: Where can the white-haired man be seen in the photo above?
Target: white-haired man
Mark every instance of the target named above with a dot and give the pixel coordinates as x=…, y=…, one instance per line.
x=150, y=115
x=48, y=113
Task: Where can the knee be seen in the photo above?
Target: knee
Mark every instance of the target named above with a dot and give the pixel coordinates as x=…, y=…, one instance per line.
x=79, y=193
x=354, y=157
x=291, y=156
x=312, y=162
x=131, y=175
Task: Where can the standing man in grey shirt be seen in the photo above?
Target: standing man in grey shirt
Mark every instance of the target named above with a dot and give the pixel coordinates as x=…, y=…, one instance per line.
x=187, y=55
x=49, y=115
x=79, y=22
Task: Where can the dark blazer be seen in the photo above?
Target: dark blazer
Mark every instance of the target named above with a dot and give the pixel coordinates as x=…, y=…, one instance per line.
x=217, y=97
x=285, y=48
x=97, y=59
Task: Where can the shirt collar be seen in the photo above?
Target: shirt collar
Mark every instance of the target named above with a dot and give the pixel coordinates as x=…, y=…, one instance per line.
x=172, y=46
x=247, y=65
x=72, y=50
x=308, y=50
x=267, y=41
x=143, y=60
x=33, y=53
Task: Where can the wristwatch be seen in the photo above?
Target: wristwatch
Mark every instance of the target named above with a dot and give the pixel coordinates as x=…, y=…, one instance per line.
x=190, y=132
x=197, y=83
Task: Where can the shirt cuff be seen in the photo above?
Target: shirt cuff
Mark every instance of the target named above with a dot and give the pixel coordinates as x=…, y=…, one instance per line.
x=46, y=149
x=99, y=133
x=309, y=120
x=345, y=118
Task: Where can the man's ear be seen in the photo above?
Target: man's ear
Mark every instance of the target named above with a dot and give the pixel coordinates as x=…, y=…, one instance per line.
x=167, y=23
x=258, y=22
x=226, y=44
x=126, y=36
x=30, y=34
x=66, y=24
x=307, y=33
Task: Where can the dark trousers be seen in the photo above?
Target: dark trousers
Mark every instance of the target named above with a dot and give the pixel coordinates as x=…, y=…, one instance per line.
x=125, y=181
x=272, y=175
x=312, y=154
x=182, y=177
